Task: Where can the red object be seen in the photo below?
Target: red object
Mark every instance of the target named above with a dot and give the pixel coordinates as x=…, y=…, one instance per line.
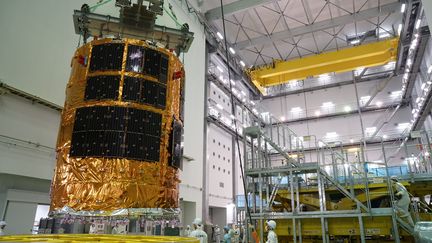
x=82, y=60
x=178, y=75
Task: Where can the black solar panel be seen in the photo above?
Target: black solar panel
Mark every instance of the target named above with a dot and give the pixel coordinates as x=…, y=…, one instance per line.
x=102, y=88
x=106, y=57
x=182, y=100
x=153, y=94
x=175, y=149
x=152, y=63
x=163, y=75
x=144, y=91
x=119, y=132
x=135, y=59
x=132, y=89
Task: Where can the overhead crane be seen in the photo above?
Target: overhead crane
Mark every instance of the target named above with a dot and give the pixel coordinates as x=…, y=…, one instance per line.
x=343, y=60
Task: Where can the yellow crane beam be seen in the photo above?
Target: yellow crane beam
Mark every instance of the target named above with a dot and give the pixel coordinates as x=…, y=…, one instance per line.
x=348, y=59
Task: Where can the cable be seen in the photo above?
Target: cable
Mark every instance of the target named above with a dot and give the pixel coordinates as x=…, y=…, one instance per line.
x=233, y=112
x=172, y=17
x=94, y=7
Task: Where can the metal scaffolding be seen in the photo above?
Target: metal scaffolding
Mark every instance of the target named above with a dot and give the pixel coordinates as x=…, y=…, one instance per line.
x=273, y=157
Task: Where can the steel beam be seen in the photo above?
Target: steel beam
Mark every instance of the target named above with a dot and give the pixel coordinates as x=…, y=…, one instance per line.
x=7, y=89
x=322, y=25
x=234, y=7
x=348, y=59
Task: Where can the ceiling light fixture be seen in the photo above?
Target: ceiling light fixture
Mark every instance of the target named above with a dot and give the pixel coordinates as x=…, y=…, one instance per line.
x=328, y=104
x=331, y=135
x=418, y=24
x=384, y=35
x=219, y=35
x=220, y=69
x=242, y=64
x=232, y=50
x=399, y=29
x=354, y=42
x=403, y=7
x=296, y=109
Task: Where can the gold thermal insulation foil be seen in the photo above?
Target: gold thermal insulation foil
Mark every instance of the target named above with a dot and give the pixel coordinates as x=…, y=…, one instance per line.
x=119, y=144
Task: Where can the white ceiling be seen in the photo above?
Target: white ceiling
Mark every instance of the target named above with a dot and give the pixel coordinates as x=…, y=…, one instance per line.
x=285, y=15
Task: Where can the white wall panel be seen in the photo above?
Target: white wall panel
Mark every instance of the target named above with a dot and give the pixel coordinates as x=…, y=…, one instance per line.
x=220, y=97
x=20, y=119
x=220, y=166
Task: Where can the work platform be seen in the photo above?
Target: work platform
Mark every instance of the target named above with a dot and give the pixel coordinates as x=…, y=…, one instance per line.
x=331, y=199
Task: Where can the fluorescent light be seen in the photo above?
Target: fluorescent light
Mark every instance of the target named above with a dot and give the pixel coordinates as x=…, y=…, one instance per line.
x=418, y=24
x=233, y=82
x=430, y=69
x=282, y=118
x=396, y=93
x=317, y=113
x=331, y=135
x=423, y=86
x=364, y=98
x=219, y=35
x=232, y=50
x=409, y=62
x=403, y=7
x=370, y=130
x=353, y=150
x=399, y=29
x=232, y=116
x=243, y=93
x=384, y=35
x=220, y=69
x=403, y=125
x=219, y=106
x=296, y=109
x=418, y=100
x=320, y=144
x=242, y=64
x=379, y=103
x=328, y=104
x=351, y=140
x=325, y=75
x=384, y=136
x=356, y=41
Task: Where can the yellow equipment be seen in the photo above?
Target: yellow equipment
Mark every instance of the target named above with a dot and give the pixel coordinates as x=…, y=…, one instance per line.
x=95, y=238
x=362, y=56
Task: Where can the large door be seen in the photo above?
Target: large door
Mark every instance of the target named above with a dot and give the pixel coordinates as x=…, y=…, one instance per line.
x=20, y=217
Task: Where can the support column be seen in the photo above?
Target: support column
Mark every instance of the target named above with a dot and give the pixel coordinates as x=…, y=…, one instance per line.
x=206, y=173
